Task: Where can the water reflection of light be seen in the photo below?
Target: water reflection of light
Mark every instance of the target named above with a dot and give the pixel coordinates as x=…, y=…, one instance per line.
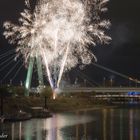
x=104, y=123
x=20, y=130
x=121, y=124
x=51, y=128
x=136, y=125
x=85, y=128
x=112, y=124
x=52, y=133
x=53, y=125
x=68, y=120
x=28, y=130
x=16, y=131
x=77, y=127
x=13, y=132
x=38, y=132
x=131, y=125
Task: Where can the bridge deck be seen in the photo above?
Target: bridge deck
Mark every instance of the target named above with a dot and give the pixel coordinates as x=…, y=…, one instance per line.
x=102, y=89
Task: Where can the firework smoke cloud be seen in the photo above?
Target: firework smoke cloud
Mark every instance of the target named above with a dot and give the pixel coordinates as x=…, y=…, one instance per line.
x=61, y=32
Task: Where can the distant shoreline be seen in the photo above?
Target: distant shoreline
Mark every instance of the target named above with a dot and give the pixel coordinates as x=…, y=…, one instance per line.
x=13, y=104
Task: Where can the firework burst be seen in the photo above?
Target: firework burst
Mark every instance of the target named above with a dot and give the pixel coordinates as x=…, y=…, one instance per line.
x=61, y=32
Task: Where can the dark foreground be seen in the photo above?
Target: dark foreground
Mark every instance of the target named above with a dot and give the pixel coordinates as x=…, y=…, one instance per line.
x=96, y=124
x=19, y=108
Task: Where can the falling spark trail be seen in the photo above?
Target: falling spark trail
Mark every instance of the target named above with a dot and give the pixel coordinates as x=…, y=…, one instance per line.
x=48, y=71
x=63, y=65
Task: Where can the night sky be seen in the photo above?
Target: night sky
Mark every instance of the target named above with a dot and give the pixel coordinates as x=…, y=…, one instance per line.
x=121, y=55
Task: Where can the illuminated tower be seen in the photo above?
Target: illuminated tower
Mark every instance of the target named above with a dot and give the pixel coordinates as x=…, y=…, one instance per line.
x=30, y=73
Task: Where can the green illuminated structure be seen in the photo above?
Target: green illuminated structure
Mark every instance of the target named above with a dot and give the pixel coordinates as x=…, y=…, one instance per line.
x=39, y=71
x=30, y=73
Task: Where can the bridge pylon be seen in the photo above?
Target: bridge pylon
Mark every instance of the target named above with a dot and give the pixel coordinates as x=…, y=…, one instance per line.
x=32, y=61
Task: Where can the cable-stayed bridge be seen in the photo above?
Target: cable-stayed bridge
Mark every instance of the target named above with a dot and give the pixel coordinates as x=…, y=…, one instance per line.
x=11, y=69
x=101, y=89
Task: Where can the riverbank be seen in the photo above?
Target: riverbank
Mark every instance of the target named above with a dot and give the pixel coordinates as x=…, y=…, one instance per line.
x=39, y=107
x=14, y=104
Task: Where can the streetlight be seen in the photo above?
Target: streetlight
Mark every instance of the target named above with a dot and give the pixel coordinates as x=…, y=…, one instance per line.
x=129, y=83
x=76, y=80
x=104, y=79
x=21, y=83
x=111, y=81
x=85, y=82
x=10, y=82
x=136, y=82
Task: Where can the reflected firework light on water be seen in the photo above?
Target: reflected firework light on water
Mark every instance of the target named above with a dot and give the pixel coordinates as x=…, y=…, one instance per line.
x=60, y=32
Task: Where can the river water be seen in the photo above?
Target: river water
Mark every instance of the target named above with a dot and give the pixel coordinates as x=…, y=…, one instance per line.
x=98, y=124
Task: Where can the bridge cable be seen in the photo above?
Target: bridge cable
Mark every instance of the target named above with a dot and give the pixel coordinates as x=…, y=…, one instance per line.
x=18, y=70
x=6, y=65
x=7, y=53
x=87, y=78
x=7, y=60
x=117, y=73
x=11, y=70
